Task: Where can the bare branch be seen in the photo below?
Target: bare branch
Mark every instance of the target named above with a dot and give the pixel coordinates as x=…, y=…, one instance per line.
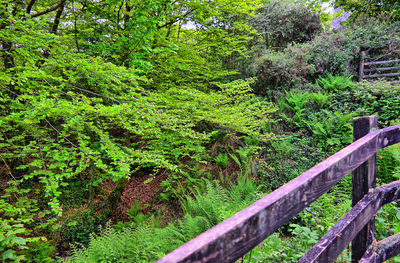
x=88, y=91
x=51, y=9
x=176, y=19
x=73, y=144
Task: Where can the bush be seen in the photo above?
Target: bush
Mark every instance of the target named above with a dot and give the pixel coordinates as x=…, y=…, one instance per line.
x=379, y=97
x=334, y=53
x=287, y=69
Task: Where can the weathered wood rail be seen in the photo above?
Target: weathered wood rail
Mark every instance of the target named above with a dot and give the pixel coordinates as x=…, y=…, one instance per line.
x=231, y=239
x=370, y=70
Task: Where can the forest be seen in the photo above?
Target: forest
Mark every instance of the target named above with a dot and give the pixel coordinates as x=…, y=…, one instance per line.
x=129, y=127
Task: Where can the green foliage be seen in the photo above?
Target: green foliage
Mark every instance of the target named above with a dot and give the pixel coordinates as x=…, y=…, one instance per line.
x=39, y=251
x=387, y=223
x=331, y=131
x=184, y=65
x=276, y=69
x=387, y=220
x=99, y=90
x=320, y=99
x=294, y=104
x=248, y=140
x=388, y=164
x=296, y=100
x=66, y=128
x=244, y=157
x=216, y=204
x=283, y=148
x=17, y=213
x=11, y=241
x=381, y=98
x=389, y=8
x=135, y=215
x=310, y=226
x=77, y=225
x=290, y=156
x=305, y=235
x=320, y=7
x=335, y=53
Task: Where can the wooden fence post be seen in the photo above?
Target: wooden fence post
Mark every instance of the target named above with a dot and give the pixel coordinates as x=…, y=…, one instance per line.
x=364, y=178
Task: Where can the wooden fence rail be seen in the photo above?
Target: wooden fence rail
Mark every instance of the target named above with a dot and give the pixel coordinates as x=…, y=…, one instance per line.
x=371, y=67
x=339, y=237
x=231, y=239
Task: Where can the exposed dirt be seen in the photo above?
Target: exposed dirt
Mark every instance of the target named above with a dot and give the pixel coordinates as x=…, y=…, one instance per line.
x=145, y=189
x=3, y=178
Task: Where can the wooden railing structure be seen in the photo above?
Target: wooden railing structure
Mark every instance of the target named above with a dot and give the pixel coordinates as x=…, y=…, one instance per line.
x=373, y=69
x=234, y=237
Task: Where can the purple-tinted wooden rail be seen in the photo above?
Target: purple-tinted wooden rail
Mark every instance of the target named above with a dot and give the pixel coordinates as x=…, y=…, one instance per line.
x=231, y=239
x=328, y=248
x=382, y=250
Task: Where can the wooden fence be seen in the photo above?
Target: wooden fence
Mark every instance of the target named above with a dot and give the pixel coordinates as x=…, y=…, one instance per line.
x=233, y=238
x=372, y=69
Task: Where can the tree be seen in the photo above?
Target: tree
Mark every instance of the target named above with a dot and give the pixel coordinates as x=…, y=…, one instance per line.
x=72, y=99
x=284, y=22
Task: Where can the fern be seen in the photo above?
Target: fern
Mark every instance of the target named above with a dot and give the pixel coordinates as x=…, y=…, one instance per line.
x=320, y=99
x=335, y=83
x=206, y=204
x=147, y=243
x=222, y=160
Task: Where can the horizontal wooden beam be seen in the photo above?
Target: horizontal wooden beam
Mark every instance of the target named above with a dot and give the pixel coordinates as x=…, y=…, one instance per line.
x=382, y=75
x=381, y=62
x=231, y=239
x=380, y=69
x=382, y=250
x=330, y=246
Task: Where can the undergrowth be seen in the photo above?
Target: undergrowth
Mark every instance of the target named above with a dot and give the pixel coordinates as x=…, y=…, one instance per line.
x=148, y=242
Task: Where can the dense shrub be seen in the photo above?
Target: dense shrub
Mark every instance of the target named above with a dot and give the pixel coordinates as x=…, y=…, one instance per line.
x=387, y=8
x=379, y=38
x=379, y=97
x=335, y=53
x=288, y=68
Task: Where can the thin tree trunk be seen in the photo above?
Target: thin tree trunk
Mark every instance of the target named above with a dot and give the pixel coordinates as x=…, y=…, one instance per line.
x=57, y=19
x=6, y=46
